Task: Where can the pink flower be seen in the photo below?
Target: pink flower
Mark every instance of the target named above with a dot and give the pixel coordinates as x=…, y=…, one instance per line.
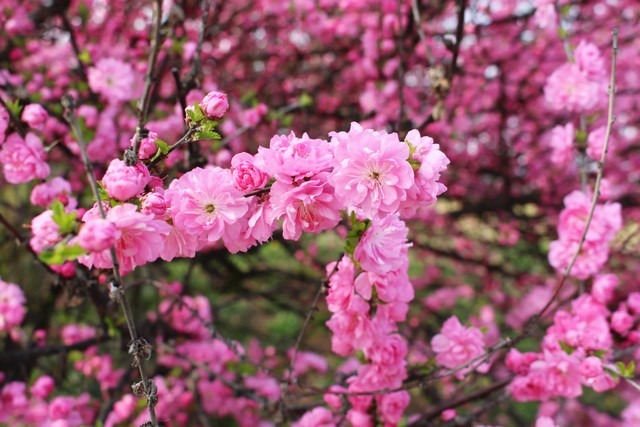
x=148, y=147
x=123, y=182
x=569, y=89
x=215, y=104
x=4, y=123
x=308, y=205
x=391, y=287
x=621, y=321
x=141, y=239
x=388, y=351
x=97, y=235
x=317, y=417
x=561, y=142
x=590, y=61
x=247, y=177
x=189, y=315
x=604, y=286
x=43, y=387
x=44, y=232
x=153, y=203
x=292, y=157
x=114, y=79
x=35, y=116
x=340, y=285
x=370, y=170
x=203, y=202
x=23, y=160
x=383, y=246
x=457, y=345
x=391, y=406
x=12, y=303
x=545, y=422
x=74, y=333
x=57, y=189
x=595, y=143
x=264, y=385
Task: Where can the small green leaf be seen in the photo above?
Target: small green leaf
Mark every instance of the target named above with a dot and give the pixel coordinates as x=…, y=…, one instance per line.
x=566, y=347
x=85, y=57
x=61, y=253
x=66, y=220
x=305, y=100
x=163, y=147
x=14, y=107
x=207, y=135
x=242, y=368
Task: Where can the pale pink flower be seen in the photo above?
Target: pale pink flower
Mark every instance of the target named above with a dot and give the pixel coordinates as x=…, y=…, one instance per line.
x=148, y=147
x=215, y=104
x=588, y=58
x=545, y=422
x=292, y=157
x=45, y=232
x=179, y=243
x=520, y=363
x=123, y=182
x=457, y=345
x=23, y=159
x=391, y=406
x=388, y=351
x=595, y=142
x=203, y=202
x=97, y=235
x=603, y=287
x=35, y=116
x=592, y=257
x=383, y=246
x=4, y=123
x=264, y=385
x=141, y=239
x=370, y=170
x=306, y=361
x=390, y=287
x=352, y=328
x=12, y=310
x=308, y=205
x=340, y=285
x=545, y=15
x=189, y=315
x=317, y=417
x=561, y=141
x=569, y=89
x=74, y=333
x=57, y=189
x=247, y=176
x=154, y=203
x=114, y=79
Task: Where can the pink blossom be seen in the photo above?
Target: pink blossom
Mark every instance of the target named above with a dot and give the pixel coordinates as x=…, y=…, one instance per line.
x=391, y=406
x=621, y=321
x=595, y=143
x=43, y=386
x=633, y=301
x=23, y=159
x=340, y=285
x=359, y=418
x=545, y=15
x=35, y=116
x=317, y=417
x=391, y=287
x=292, y=157
x=203, y=202
x=264, y=385
x=370, y=170
x=122, y=410
x=519, y=363
x=247, y=176
x=590, y=61
x=45, y=232
x=189, y=315
x=97, y=235
x=141, y=239
x=545, y=422
x=148, y=147
x=74, y=333
x=388, y=351
x=12, y=310
x=4, y=123
x=352, y=328
x=561, y=142
x=457, y=345
x=604, y=286
x=57, y=189
x=383, y=246
x=307, y=206
x=153, y=203
x=306, y=360
x=215, y=104
x=569, y=89
x=114, y=79
x=123, y=182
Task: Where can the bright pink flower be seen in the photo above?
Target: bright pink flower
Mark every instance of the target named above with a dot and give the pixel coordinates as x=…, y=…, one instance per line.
x=633, y=301
x=264, y=385
x=43, y=387
x=306, y=361
x=122, y=410
x=74, y=333
x=204, y=202
x=359, y=418
x=114, y=79
x=383, y=246
x=621, y=321
x=370, y=170
x=604, y=286
x=588, y=58
x=317, y=417
x=561, y=142
x=457, y=345
x=148, y=147
x=391, y=287
x=35, y=116
x=352, y=329
x=292, y=157
x=189, y=315
x=97, y=235
x=340, y=285
x=45, y=232
x=141, y=239
x=12, y=308
x=391, y=406
x=308, y=205
x=247, y=177
x=123, y=182
x=215, y=104
x=57, y=189
x=4, y=123
x=595, y=142
x=153, y=203
x=388, y=351
x=519, y=363
x=23, y=159
x=569, y=89
x=545, y=422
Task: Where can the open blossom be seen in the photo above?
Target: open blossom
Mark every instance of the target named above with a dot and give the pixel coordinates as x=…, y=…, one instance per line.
x=114, y=79
x=12, y=308
x=595, y=142
x=4, y=124
x=215, y=104
x=307, y=206
x=383, y=246
x=140, y=239
x=35, y=116
x=391, y=406
x=203, y=202
x=569, y=89
x=457, y=345
x=291, y=157
x=588, y=58
x=97, y=235
x=317, y=417
x=370, y=170
x=247, y=176
x=561, y=142
x=123, y=182
x=23, y=159
x=57, y=189
x=340, y=285
x=44, y=232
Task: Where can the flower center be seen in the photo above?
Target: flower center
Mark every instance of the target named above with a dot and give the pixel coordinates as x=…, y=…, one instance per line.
x=210, y=208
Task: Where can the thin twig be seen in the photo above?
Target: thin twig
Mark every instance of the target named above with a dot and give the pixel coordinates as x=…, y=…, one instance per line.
x=415, y=12
x=459, y=35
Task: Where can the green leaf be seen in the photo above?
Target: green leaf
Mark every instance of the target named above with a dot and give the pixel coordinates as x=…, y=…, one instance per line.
x=305, y=100
x=163, y=147
x=85, y=57
x=242, y=368
x=14, y=107
x=61, y=253
x=66, y=220
x=207, y=135
x=196, y=113
x=566, y=347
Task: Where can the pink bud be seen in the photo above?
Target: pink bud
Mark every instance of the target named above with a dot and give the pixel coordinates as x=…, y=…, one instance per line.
x=35, y=116
x=43, y=386
x=215, y=104
x=123, y=182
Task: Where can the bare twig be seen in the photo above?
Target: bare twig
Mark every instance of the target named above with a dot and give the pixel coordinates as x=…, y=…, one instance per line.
x=459, y=35
x=415, y=12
